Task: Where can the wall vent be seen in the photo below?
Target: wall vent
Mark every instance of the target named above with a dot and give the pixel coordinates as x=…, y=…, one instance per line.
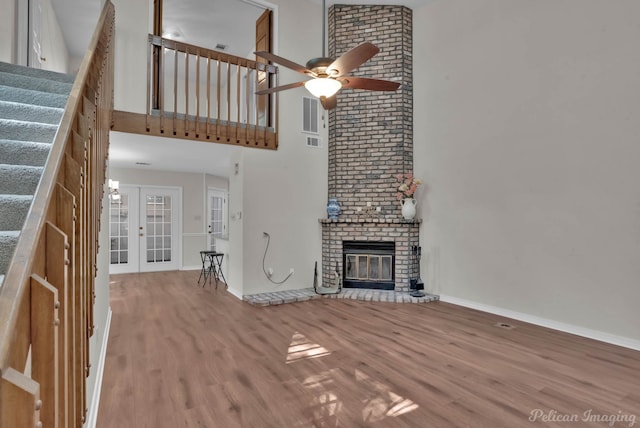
x=314, y=142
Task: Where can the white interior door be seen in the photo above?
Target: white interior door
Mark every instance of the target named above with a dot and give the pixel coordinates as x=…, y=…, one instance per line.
x=144, y=229
x=216, y=215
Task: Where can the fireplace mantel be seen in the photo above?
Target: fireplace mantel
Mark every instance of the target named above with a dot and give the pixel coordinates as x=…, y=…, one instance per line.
x=383, y=220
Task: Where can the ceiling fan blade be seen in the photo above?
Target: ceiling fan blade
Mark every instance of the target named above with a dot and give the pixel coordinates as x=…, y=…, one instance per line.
x=352, y=59
x=284, y=62
x=370, y=84
x=329, y=103
x=279, y=88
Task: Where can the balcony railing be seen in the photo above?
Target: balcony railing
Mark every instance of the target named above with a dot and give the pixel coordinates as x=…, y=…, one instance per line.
x=202, y=94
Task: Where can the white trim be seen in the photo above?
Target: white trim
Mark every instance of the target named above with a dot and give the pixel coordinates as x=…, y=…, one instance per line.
x=235, y=292
x=92, y=414
x=191, y=267
x=545, y=322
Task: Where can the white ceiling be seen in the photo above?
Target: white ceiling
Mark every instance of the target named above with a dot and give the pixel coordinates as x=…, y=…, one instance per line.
x=169, y=154
x=199, y=22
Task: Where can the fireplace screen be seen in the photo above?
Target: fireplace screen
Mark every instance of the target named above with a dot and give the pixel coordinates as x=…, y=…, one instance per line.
x=369, y=267
x=369, y=264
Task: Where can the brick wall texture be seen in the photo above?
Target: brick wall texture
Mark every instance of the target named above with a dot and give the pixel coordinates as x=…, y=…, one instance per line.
x=371, y=136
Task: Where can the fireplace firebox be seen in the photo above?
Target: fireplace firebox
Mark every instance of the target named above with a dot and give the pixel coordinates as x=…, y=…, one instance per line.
x=369, y=264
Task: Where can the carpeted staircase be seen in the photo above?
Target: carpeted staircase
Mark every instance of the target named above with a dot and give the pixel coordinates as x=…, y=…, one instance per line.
x=31, y=105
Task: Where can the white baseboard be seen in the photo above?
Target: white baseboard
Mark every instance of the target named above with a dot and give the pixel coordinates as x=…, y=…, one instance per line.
x=191, y=267
x=235, y=292
x=92, y=414
x=545, y=322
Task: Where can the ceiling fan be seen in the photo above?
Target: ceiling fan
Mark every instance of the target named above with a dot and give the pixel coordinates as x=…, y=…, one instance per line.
x=328, y=76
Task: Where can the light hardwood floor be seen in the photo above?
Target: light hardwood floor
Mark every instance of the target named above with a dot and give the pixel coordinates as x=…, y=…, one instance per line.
x=183, y=356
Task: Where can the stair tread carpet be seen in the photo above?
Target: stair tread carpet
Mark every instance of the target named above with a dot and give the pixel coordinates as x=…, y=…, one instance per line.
x=27, y=96
x=32, y=103
x=36, y=72
x=8, y=241
x=20, y=130
x=35, y=113
x=13, y=211
x=19, y=179
x=23, y=152
x=34, y=83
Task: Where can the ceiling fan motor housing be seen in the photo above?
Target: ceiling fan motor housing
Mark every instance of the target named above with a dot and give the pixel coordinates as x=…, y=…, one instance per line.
x=319, y=66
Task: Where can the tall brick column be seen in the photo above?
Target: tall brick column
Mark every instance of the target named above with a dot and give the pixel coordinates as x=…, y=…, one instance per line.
x=371, y=138
x=371, y=133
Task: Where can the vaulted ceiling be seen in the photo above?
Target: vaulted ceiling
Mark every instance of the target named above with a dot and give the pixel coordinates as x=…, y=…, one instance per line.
x=200, y=22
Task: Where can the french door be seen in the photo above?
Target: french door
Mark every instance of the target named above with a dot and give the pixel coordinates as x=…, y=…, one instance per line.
x=216, y=215
x=144, y=229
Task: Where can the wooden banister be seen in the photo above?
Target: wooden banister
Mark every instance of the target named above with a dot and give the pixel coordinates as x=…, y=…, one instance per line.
x=46, y=300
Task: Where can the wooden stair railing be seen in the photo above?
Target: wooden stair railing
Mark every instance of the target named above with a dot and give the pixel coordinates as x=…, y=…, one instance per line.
x=46, y=300
x=201, y=94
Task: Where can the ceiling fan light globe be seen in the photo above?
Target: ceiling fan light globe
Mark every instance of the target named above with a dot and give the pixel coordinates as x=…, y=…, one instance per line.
x=323, y=87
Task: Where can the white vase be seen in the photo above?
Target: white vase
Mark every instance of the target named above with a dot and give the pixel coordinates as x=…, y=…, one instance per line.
x=408, y=209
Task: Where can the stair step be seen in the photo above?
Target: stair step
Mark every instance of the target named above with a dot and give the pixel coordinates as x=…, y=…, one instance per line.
x=24, y=152
x=22, y=111
x=19, y=179
x=14, y=210
x=8, y=241
x=36, y=72
x=27, y=96
x=19, y=130
x=34, y=83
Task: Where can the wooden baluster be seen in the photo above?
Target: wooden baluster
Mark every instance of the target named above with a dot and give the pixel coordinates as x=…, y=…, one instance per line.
x=228, y=100
x=238, y=86
x=19, y=400
x=45, y=367
x=197, y=94
x=247, y=87
x=150, y=50
x=218, y=100
x=255, y=98
x=186, y=92
x=65, y=218
x=208, y=94
x=175, y=90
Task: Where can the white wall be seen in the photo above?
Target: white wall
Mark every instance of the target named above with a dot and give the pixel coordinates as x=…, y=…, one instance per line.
x=526, y=133
x=133, y=25
x=285, y=191
x=101, y=318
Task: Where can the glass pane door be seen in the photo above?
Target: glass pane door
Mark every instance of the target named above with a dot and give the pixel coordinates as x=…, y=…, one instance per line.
x=123, y=236
x=217, y=215
x=158, y=229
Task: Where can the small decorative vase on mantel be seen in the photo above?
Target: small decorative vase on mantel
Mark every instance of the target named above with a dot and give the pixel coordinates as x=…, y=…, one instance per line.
x=408, y=208
x=333, y=208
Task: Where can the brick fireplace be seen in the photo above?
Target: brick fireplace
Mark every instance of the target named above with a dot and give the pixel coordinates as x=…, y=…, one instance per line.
x=370, y=141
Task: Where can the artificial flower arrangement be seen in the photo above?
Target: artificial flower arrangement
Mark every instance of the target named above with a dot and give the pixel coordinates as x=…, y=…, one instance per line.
x=408, y=185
